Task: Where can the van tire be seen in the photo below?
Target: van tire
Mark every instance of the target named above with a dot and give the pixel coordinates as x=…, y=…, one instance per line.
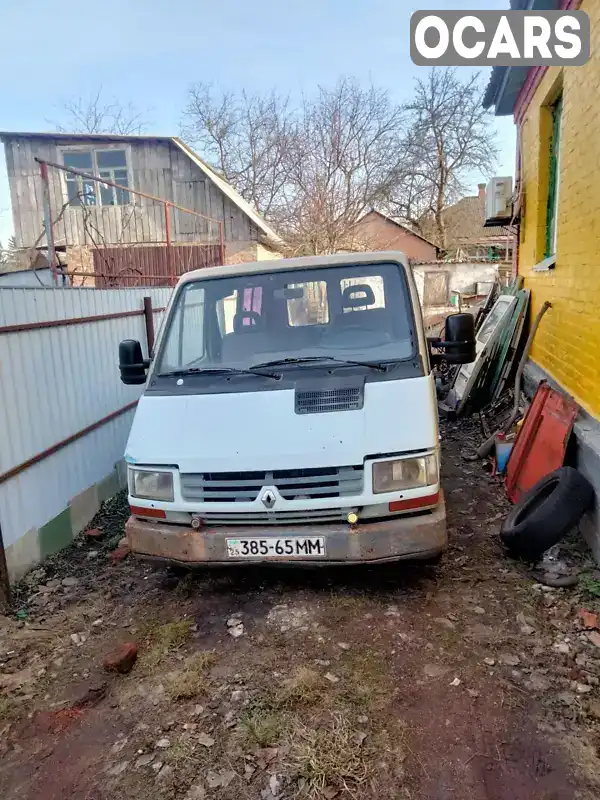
x=546, y=513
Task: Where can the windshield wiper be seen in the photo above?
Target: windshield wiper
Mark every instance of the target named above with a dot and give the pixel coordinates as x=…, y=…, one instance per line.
x=179, y=373
x=309, y=359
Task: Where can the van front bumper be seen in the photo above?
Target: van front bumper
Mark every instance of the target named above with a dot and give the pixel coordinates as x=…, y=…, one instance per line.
x=416, y=536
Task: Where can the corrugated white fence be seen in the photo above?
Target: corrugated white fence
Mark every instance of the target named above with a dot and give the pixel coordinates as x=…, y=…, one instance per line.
x=56, y=381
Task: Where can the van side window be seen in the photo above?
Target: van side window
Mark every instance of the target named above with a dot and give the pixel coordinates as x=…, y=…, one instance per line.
x=311, y=308
x=376, y=298
x=185, y=345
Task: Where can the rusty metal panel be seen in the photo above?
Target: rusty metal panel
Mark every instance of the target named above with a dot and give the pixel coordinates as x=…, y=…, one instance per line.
x=542, y=441
x=154, y=265
x=57, y=381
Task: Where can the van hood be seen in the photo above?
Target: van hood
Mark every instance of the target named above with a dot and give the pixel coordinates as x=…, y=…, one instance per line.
x=261, y=431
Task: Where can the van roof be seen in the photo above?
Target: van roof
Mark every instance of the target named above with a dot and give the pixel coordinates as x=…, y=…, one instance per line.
x=282, y=264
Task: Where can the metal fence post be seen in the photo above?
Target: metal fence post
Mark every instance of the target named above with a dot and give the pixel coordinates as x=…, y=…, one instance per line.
x=48, y=220
x=149, y=320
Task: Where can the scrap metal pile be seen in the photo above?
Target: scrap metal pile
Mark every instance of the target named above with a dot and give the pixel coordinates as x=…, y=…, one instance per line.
x=499, y=329
x=528, y=441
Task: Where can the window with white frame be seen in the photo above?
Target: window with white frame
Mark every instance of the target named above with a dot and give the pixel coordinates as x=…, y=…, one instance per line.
x=111, y=164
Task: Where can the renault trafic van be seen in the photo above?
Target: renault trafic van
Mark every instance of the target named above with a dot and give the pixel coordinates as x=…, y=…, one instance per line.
x=290, y=415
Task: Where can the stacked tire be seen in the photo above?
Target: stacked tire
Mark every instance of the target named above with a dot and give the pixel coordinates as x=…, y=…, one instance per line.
x=546, y=513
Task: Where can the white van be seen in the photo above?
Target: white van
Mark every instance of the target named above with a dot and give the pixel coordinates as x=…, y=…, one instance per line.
x=290, y=415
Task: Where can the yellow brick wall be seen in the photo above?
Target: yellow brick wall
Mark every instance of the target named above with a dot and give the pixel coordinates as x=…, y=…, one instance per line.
x=567, y=344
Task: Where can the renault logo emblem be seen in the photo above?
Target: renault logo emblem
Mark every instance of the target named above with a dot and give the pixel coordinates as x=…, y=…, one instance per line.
x=268, y=499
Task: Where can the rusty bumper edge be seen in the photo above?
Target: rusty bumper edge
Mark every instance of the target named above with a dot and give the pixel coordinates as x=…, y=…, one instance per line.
x=421, y=555
x=393, y=539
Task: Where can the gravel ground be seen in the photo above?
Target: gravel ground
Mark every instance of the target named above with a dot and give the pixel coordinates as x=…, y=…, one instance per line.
x=461, y=680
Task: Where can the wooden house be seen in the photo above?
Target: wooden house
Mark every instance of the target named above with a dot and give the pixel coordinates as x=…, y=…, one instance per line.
x=89, y=216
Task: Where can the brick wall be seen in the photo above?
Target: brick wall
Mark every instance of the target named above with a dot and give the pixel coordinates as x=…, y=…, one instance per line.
x=374, y=232
x=568, y=340
x=80, y=260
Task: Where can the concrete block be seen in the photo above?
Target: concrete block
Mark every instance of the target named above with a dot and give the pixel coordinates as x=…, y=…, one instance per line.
x=587, y=461
x=23, y=554
x=56, y=534
x=108, y=486
x=121, y=468
x=83, y=507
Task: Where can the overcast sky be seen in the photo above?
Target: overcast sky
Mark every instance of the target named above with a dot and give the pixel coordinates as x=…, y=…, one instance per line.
x=149, y=51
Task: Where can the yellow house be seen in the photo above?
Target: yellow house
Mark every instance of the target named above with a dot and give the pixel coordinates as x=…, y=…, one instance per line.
x=557, y=113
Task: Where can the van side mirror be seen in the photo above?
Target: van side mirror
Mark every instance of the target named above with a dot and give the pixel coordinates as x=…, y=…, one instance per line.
x=132, y=364
x=458, y=345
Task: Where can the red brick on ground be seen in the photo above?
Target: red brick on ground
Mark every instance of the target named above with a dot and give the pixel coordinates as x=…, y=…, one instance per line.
x=119, y=553
x=122, y=659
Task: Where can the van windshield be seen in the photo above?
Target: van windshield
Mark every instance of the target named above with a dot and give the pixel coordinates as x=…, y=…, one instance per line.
x=359, y=312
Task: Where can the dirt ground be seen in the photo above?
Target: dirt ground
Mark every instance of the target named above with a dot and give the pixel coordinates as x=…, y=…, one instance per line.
x=413, y=682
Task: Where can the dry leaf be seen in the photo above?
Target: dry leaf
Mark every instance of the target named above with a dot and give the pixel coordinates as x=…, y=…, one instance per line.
x=589, y=619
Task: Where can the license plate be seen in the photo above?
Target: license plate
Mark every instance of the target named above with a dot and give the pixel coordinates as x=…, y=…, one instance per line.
x=276, y=548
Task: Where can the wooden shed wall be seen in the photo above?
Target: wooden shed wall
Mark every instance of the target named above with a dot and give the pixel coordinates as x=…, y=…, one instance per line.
x=156, y=167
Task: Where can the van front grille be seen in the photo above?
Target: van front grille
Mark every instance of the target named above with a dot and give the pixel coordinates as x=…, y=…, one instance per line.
x=292, y=484
x=276, y=517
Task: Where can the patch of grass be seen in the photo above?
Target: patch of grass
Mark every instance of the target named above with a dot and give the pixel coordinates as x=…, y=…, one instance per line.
x=346, y=601
x=185, y=761
x=303, y=687
x=192, y=680
x=179, y=752
x=369, y=665
x=344, y=607
x=262, y=726
x=8, y=708
x=590, y=585
x=327, y=757
x=188, y=584
x=367, y=680
x=164, y=639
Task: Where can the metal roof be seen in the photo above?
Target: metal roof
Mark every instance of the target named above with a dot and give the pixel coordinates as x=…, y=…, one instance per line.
x=304, y=262
x=59, y=135
x=221, y=183
x=506, y=83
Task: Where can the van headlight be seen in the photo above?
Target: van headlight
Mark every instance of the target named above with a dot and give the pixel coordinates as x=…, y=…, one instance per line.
x=149, y=485
x=404, y=473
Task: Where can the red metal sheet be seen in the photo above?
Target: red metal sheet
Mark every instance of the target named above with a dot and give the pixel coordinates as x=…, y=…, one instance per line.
x=542, y=441
x=149, y=265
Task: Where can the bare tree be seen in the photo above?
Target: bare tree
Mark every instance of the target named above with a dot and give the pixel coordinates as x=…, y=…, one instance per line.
x=246, y=137
x=9, y=257
x=448, y=139
x=94, y=114
x=347, y=157
x=311, y=170
x=314, y=170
